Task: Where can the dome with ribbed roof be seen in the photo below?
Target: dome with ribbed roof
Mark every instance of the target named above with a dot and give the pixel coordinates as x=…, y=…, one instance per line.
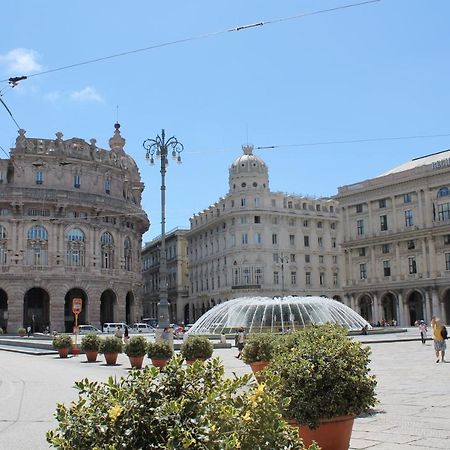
x=248, y=171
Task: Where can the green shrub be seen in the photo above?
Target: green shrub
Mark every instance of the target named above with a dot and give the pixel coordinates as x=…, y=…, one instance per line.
x=136, y=346
x=325, y=375
x=196, y=408
x=90, y=343
x=159, y=350
x=21, y=331
x=259, y=347
x=111, y=344
x=197, y=347
x=62, y=341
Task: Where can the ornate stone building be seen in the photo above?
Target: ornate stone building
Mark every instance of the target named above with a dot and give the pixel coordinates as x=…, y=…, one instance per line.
x=71, y=226
x=258, y=242
x=397, y=242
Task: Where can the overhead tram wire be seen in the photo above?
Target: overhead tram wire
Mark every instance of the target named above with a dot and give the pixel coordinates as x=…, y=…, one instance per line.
x=13, y=80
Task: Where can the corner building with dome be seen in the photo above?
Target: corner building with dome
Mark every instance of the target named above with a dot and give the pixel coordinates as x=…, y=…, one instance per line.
x=71, y=226
x=256, y=242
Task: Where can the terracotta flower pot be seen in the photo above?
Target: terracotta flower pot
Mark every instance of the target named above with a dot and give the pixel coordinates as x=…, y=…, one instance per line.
x=136, y=361
x=256, y=366
x=111, y=358
x=189, y=362
x=159, y=362
x=91, y=355
x=63, y=352
x=75, y=350
x=331, y=434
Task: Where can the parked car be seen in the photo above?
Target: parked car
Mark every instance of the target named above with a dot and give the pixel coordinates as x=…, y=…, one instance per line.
x=111, y=327
x=142, y=328
x=85, y=329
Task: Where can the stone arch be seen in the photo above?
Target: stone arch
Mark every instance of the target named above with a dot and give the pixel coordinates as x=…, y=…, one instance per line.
x=69, y=318
x=130, y=308
x=415, y=303
x=36, y=309
x=389, y=303
x=3, y=310
x=446, y=302
x=108, y=304
x=365, y=305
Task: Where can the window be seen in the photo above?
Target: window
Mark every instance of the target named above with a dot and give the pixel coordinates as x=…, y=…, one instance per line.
x=322, y=278
x=290, y=204
x=409, y=218
x=407, y=198
x=305, y=223
x=304, y=206
x=444, y=211
x=127, y=253
x=307, y=278
x=360, y=227
x=333, y=225
x=292, y=257
x=335, y=259
x=2, y=232
x=273, y=202
x=443, y=192
x=333, y=242
x=335, y=279
x=257, y=219
x=359, y=208
x=275, y=258
x=293, y=278
x=411, y=245
x=331, y=209
x=243, y=220
x=447, y=261
x=383, y=223
x=244, y=239
x=306, y=241
x=107, y=250
x=386, y=248
x=320, y=241
x=387, y=268
x=307, y=258
x=107, y=186
x=75, y=248
x=319, y=224
x=291, y=222
x=275, y=278
x=317, y=207
x=232, y=203
x=256, y=201
x=77, y=181
x=39, y=177
x=362, y=251
x=412, y=264
x=292, y=239
x=447, y=239
x=258, y=238
x=320, y=259
x=382, y=203
x=259, y=275
x=363, y=271
x=275, y=220
x=37, y=246
x=243, y=202
x=274, y=239
x=246, y=275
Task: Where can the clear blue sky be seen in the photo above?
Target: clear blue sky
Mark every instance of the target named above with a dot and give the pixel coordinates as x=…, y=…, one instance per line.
x=367, y=72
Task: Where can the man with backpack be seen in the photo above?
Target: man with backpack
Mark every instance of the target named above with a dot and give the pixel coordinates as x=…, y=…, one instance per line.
x=439, y=337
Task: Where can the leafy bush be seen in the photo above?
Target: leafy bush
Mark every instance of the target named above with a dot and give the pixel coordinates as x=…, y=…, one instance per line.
x=111, y=344
x=21, y=331
x=325, y=375
x=90, y=343
x=197, y=347
x=195, y=408
x=259, y=347
x=62, y=341
x=159, y=350
x=136, y=346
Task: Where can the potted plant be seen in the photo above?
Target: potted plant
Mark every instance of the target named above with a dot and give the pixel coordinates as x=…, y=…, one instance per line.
x=259, y=351
x=327, y=378
x=62, y=343
x=159, y=352
x=136, y=348
x=21, y=332
x=90, y=344
x=111, y=346
x=196, y=348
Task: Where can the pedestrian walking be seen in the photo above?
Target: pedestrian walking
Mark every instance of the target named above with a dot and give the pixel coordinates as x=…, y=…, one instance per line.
x=239, y=341
x=118, y=333
x=423, y=331
x=126, y=335
x=28, y=330
x=439, y=337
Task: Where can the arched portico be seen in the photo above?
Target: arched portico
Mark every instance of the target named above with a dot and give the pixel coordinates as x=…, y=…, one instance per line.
x=415, y=303
x=365, y=307
x=389, y=307
x=3, y=310
x=129, y=308
x=36, y=309
x=108, y=303
x=69, y=318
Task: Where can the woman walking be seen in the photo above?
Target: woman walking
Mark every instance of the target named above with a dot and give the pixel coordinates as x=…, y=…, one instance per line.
x=439, y=331
x=423, y=331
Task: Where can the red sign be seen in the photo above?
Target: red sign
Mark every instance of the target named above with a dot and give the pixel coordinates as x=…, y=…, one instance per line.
x=77, y=305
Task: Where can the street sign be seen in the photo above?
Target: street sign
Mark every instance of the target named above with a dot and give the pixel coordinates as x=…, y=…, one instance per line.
x=77, y=305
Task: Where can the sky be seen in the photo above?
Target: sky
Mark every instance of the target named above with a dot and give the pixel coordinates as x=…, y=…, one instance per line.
x=379, y=70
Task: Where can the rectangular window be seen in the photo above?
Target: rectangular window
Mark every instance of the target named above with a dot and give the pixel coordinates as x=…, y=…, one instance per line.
x=382, y=203
x=292, y=258
x=258, y=238
x=447, y=261
x=331, y=209
x=39, y=177
x=307, y=258
x=359, y=208
x=292, y=239
x=77, y=181
x=290, y=205
x=275, y=278
x=333, y=242
x=383, y=223
x=333, y=225
x=362, y=271
x=257, y=219
x=320, y=259
x=293, y=278
x=320, y=241
x=306, y=241
x=360, y=227
x=407, y=198
x=244, y=238
x=275, y=220
x=291, y=222
x=246, y=275
x=307, y=278
x=258, y=275
x=319, y=224
x=409, y=218
x=386, y=248
x=317, y=207
x=447, y=239
x=335, y=279
x=335, y=259
x=274, y=239
x=107, y=186
x=444, y=212
x=273, y=202
x=362, y=251
x=412, y=264
x=243, y=202
x=275, y=258
x=387, y=268
x=322, y=278
x=411, y=244
x=243, y=220
x=232, y=203
x=305, y=223
x=256, y=201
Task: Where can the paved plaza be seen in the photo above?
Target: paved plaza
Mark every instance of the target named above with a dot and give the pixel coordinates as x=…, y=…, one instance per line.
x=413, y=413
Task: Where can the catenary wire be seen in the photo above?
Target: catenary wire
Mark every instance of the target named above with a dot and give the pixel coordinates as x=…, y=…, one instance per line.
x=198, y=37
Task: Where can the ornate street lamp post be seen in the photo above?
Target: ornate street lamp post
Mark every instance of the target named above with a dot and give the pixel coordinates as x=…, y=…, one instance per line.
x=159, y=148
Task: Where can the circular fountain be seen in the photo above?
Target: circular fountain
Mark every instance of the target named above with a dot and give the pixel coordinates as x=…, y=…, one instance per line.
x=278, y=314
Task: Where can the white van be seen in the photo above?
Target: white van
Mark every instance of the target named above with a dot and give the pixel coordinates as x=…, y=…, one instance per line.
x=111, y=327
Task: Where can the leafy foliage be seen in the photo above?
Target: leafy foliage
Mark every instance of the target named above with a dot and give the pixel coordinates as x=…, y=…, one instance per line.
x=111, y=344
x=136, y=346
x=159, y=350
x=62, y=341
x=196, y=408
x=197, y=347
x=259, y=347
x=21, y=331
x=90, y=343
x=325, y=375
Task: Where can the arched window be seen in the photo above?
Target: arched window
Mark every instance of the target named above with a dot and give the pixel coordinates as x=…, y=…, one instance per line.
x=443, y=192
x=75, y=248
x=127, y=252
x=37, y=246
x=107, y=250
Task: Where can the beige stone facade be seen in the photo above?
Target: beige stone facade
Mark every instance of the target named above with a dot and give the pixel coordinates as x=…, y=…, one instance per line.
x=397, y=242
x=71, y=226
x=257, y=242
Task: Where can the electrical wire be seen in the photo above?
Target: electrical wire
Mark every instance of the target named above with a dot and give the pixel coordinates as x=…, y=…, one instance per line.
x=194, y=38
x=10, y=113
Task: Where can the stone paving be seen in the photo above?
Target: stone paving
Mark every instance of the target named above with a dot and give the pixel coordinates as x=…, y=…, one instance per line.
x=413, y=392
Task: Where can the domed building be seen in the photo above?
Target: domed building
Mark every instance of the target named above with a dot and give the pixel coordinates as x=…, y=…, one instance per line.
x=257, y=242
x=71, y=226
